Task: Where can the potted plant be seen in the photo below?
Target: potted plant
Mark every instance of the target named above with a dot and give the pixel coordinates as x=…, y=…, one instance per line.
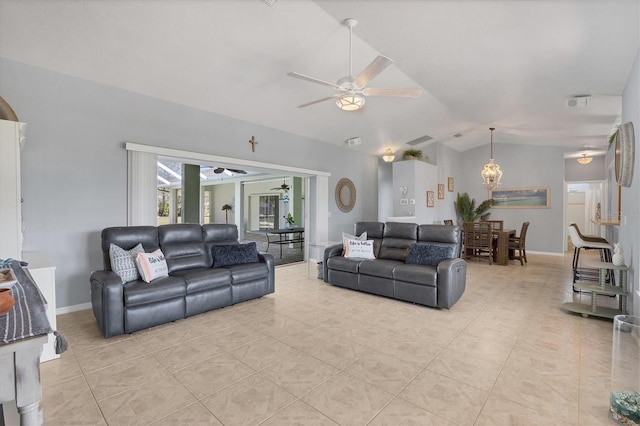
x=289, y=220
x=467, y=211
x=412, y=154
x=226, y=209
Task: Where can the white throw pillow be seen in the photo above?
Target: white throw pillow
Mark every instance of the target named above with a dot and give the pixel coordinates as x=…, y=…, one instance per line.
x=123, y=262
x=359, y=249
x=345, y=236
x=152, y=265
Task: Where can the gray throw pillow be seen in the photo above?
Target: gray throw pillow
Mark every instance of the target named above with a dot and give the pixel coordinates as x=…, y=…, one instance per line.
x=234, y=254
x=429, y=253
x=123, y=262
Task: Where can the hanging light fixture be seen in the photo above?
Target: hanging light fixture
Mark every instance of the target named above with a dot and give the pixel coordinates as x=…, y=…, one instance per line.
x=491, y=173
x=350, y=102
x=388, y=155
x=584, y=160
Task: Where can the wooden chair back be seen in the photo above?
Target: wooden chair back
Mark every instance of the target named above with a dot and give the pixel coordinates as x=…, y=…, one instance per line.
x=478, y=240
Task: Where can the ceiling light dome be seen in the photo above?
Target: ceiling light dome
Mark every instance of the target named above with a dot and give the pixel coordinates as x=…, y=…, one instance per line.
x=388, y=156
x=350, y=102
x=584, y=159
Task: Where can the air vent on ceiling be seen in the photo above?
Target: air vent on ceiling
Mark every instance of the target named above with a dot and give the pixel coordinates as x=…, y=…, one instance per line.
x=269, y=2
x=578, y=102
x=419, y=140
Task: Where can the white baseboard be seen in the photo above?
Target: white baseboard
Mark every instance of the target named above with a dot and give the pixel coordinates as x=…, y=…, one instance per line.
x=545, y=253
x=73, y=308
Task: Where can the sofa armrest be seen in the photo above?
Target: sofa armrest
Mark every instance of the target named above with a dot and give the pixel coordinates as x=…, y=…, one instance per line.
x=451, y=281
x=330, y=251
x=268, y=259
x=107, y=300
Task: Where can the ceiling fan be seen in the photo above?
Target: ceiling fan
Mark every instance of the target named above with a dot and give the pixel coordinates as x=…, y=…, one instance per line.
x=219, y=170
x=352, y=89
x=283, y=187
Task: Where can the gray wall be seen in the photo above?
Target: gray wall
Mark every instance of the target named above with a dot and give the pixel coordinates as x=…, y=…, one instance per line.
x=523, y=166
x=595, y=170
x=629, y=230
x=74, y=165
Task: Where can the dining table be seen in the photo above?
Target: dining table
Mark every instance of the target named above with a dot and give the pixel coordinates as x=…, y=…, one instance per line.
x=502, y=253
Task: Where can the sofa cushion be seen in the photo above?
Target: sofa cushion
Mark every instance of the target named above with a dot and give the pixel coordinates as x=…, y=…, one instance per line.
x=340, y=263
x=165, y=288
x=375, y=232
x=382, y=268
x=430, y=253
x=234, y=254
x=358, y=249
x=151, y=266
x=247, y=272
x=123, y=262
x=416, y=274
x=202, y=279
x=182, y=246
x=395, y=248
x=128, y=237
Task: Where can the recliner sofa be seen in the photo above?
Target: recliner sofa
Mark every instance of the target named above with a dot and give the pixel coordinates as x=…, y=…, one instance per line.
x=192, y=287
x=438, y=286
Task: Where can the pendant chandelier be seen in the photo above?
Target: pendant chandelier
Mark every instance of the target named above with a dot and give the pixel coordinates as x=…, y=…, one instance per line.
x=491, y=173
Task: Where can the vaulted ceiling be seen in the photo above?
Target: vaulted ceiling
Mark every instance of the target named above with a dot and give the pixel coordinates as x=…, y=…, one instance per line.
x=511, y=65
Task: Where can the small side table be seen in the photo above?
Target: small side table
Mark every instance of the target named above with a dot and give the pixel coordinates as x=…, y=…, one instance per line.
x=602, y=288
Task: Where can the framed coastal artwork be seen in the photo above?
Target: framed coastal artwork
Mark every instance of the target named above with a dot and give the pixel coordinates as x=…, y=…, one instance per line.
x=450, y=184
x=440, y=191
x=521, y=198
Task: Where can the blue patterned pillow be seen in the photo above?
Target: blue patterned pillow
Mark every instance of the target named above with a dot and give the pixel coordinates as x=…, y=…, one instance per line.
x=429, y=253
x=234, y=254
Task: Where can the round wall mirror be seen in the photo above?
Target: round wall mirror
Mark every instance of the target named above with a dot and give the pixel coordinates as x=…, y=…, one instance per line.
x=624, y=154
x=345, y=195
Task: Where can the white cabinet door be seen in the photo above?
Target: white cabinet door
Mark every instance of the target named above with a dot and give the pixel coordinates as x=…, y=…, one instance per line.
x=10, y=197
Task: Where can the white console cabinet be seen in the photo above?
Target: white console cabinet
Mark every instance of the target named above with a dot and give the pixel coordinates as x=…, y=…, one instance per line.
x=43, y=272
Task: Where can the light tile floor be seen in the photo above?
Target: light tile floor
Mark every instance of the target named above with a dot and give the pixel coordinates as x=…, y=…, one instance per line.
x=314, y=354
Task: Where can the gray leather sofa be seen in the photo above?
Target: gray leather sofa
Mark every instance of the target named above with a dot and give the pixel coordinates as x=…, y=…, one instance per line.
x=389, y=275
x=192, y=286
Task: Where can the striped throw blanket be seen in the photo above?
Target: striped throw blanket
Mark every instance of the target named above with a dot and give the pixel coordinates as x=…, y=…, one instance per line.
x=28, y=317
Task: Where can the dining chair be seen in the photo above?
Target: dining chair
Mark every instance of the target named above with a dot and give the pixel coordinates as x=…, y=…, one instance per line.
x=496, y=225
x=518, y=244
x=579, y=244
x=448, y=222
x=478, y=241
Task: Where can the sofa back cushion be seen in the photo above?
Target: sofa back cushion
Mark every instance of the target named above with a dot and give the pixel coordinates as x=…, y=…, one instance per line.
x=398, y=238
x=375, y=232
x=218, y=234
x=443, y=234
x=182, y=246
x=127, y=237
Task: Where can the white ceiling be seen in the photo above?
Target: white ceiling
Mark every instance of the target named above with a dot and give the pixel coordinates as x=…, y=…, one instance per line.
x=504, y=64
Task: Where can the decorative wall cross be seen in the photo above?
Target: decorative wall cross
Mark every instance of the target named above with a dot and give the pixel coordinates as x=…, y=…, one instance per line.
x=253, y=143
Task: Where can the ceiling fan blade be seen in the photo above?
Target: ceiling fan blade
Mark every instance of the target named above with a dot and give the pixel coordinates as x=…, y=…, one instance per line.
x=242, y=172
x=373, y=69
x=397, y=93
x=313, y=80
x=320, y=100
x=218, y=170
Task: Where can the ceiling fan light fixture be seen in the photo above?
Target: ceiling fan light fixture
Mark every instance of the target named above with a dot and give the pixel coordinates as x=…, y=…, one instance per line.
x=491, y=173
x=584, y=159
x=350, y=102
x=388, y=156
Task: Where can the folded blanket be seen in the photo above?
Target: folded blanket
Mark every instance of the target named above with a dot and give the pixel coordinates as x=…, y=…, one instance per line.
x=28, y=317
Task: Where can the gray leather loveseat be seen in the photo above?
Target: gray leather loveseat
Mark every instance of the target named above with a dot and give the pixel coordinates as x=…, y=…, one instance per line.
x=408, y=263
x=192, y=286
